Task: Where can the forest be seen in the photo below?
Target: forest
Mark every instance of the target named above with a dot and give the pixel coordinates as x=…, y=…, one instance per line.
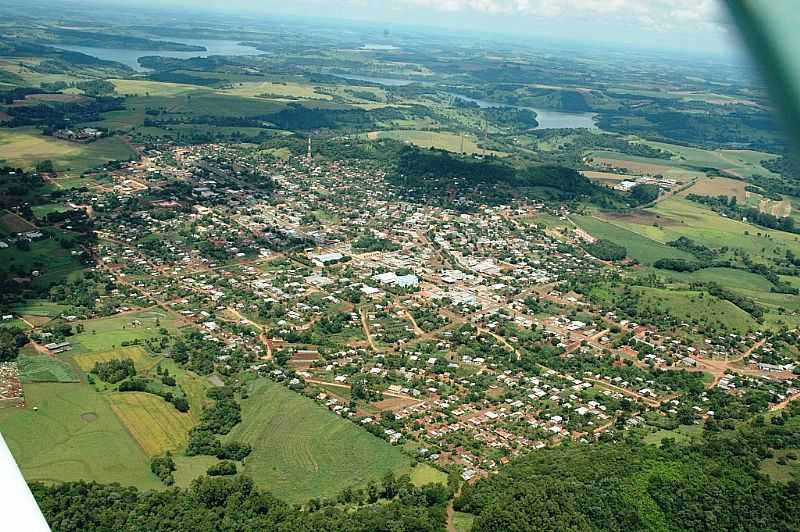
x=713, y=484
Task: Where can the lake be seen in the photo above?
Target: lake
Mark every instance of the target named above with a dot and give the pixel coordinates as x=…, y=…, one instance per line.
x=130, y=57
x=389, y=82
x=547, y=119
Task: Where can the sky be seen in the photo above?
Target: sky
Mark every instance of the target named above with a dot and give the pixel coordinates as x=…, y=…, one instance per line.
x=691, y=25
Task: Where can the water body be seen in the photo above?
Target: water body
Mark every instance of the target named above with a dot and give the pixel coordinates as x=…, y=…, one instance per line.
x=379, y=47
x=389, y=82
x=130, y=57
x=547, y=119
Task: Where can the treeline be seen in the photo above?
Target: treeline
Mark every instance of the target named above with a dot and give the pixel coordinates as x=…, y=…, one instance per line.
x=711, y=485
x=605, y=250
x=227, y=504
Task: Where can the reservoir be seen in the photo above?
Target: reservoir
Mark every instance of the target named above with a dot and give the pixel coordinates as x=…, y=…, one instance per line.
x=547, y=119
x=130, y=57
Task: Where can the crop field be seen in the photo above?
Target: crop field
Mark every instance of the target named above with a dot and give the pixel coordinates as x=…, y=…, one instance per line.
x=645, y=250
x=106, y=334
x=42, y=368
x=719, y=186
x=301, y=450
x=25, y=147
x=139, y=87
x=278, y=90
x=39, y=308
x=141, y=360
x=433, y=139
x=153, y=422
x=73, y=436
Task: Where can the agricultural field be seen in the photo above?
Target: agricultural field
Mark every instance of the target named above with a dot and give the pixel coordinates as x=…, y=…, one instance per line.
x=39, y=308
x=42, y=368
x=719, y=186
x=301, y=450
x=153, y=422
x=24, y=147
x=73, y=436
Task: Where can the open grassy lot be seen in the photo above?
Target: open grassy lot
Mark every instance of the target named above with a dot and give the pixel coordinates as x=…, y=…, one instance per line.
x=154, y=423
x=301, y=450
x=189, y=468
x=74, y=436
x=688, y=306
x=423, y=474
x=642, y=248
x=433, y=139
x=25, y=147
x=42, y=368
x=463, y=521
x=141, y=360
x=108, y=333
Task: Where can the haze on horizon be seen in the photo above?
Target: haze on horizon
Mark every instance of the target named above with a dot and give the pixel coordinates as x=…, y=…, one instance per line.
x=694, y=26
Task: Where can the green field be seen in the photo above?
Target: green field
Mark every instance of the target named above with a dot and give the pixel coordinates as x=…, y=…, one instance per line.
x=24, y=147
x=42, y=368
x=153, y=422
x=53, y=262
x=423, y=474
x=141, y=360
x=434, y=139
x=74, y=436
x=463, y=521
x=106, y=334
x=639, y=247
x=301, y=450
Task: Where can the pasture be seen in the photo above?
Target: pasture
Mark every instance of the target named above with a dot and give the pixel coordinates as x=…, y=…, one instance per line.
x=74, y=436
x=24, y=147
x=107, y=334
x=642, y=248
x=301, y=450
x=153, y=422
